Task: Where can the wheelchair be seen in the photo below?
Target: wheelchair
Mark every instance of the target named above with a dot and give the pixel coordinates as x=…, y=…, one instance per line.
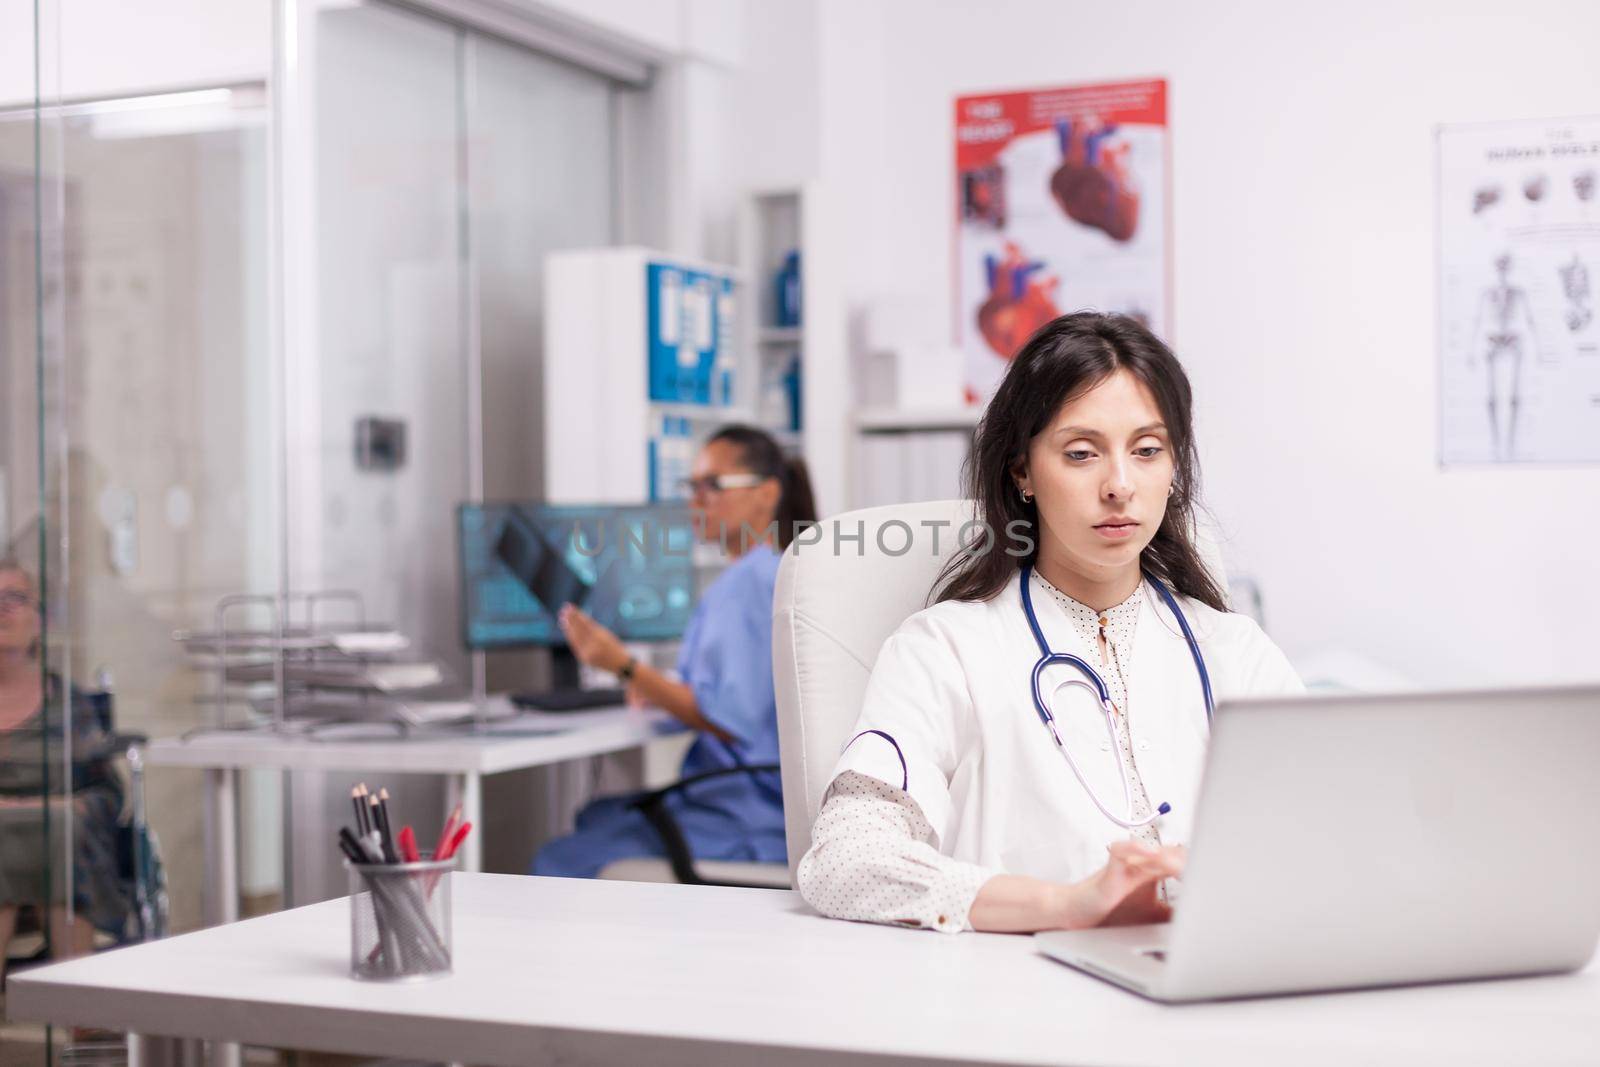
x=138, y=866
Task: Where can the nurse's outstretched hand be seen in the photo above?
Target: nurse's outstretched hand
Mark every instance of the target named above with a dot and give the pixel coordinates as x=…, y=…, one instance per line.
x=1125, y=891
x=592, y=643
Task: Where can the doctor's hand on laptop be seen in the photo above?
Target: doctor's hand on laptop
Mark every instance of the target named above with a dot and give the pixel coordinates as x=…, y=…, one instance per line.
x=1125, y=892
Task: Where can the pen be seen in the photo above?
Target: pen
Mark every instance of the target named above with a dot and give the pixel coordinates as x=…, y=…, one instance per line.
x=347, y=845
x=444, y=834
x=407, y=843
x=359, y=852
x=446, y=851
x=455, y=841
x=376, y=834
x=386, y=827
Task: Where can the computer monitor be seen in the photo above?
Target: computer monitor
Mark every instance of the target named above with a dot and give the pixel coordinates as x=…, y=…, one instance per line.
x=630, y=567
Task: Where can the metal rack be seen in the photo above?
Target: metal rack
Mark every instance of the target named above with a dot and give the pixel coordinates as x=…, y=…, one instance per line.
x=320, y=674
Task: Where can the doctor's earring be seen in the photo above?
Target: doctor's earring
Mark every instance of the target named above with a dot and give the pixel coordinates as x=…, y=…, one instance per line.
x=1023, y=493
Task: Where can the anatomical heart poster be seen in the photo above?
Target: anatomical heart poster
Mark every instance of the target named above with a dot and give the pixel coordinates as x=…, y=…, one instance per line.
x=1519, y=256
x=1061, y=205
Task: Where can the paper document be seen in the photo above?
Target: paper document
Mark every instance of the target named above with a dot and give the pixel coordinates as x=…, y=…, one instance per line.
x=393, y=677
x=371, y=642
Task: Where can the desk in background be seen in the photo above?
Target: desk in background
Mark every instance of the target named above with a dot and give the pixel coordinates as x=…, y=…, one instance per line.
x=552, y=970
x=534, y=739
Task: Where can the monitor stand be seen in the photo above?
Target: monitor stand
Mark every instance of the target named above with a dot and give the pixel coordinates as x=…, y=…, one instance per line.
x=566, y=692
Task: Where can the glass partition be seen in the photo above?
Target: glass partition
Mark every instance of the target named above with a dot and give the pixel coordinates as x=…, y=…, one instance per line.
x=45, y=910
x=158, y=435
x=157, y=458
x=449, y=164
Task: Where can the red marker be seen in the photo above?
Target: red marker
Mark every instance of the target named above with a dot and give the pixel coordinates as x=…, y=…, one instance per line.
x=455, y=841
x=446, y=832
x=408, y=845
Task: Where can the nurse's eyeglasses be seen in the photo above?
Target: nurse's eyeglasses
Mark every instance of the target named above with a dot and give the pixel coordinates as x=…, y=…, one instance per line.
x=716, y=483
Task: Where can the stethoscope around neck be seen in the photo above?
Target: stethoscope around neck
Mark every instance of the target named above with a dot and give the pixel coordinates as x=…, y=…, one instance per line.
x=1092, y=681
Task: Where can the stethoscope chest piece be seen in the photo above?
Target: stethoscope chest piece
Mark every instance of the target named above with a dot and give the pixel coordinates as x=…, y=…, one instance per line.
x=1091, y=680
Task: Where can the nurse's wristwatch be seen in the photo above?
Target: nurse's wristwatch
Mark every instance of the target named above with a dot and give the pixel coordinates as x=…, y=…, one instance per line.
x=625, y=672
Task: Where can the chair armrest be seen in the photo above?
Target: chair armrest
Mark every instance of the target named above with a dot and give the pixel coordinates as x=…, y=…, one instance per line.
x=652, y=805
x=113, y=745
x=656, y=796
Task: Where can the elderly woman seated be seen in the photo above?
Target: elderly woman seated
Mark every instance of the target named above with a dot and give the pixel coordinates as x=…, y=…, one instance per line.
x=36, y=808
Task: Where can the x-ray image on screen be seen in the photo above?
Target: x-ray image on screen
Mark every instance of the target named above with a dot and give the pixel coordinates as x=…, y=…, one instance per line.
x=629, y=567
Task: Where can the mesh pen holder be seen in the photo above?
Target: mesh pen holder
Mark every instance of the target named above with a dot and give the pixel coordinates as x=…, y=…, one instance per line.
x=400, y=920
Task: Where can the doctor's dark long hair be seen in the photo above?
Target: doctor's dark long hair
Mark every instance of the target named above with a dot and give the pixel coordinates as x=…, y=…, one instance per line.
x=762, y=455
x=1064, y=359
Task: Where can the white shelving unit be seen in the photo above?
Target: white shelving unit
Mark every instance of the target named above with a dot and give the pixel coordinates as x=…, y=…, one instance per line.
x=779, y=335
x=598, y=415
x=901, y=420
x=773, y=223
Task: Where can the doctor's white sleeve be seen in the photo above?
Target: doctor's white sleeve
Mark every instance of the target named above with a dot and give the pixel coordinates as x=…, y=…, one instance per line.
x=872, y=860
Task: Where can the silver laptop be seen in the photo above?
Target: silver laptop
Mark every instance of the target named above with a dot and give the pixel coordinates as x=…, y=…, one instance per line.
x=1353, y=841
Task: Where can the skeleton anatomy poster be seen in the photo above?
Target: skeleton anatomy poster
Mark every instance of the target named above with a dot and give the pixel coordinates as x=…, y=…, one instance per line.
x=1061, y=201
x=1519, y=245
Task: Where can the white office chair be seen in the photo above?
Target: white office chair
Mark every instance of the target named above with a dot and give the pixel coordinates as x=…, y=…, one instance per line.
x=832, y=611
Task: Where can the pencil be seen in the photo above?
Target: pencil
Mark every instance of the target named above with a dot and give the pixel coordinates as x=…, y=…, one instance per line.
x=363, y=827
x=355, y=802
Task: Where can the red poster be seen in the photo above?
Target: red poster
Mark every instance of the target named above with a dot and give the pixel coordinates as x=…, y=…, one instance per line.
x=1061, y=205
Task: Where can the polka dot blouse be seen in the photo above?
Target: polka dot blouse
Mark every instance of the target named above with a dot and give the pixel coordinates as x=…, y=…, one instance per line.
x=872, y=860
x=872, y=857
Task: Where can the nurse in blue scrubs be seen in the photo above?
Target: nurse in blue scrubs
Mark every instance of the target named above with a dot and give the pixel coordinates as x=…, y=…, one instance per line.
x=750, y=498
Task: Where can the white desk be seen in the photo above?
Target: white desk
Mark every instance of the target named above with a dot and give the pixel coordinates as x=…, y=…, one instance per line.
x=530, y=740
x=578, y=972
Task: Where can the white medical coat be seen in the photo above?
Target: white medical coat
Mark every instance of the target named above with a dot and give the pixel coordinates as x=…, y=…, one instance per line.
x=952, y=688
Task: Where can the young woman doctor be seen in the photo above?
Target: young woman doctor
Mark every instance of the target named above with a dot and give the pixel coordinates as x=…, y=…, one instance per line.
x=1029, y=751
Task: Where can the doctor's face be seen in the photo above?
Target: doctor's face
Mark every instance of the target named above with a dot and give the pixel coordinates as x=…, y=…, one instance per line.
x=1100, y=472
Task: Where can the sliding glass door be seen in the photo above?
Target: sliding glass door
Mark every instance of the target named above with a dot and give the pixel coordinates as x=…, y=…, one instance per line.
x=449, y=165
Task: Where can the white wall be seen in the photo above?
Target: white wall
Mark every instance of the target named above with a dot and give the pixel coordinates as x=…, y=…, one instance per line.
x=104, y=48
x=777, y=117
x=1304, y=302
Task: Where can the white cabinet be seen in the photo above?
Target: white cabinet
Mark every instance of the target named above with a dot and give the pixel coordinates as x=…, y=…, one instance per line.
x=647, y=354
